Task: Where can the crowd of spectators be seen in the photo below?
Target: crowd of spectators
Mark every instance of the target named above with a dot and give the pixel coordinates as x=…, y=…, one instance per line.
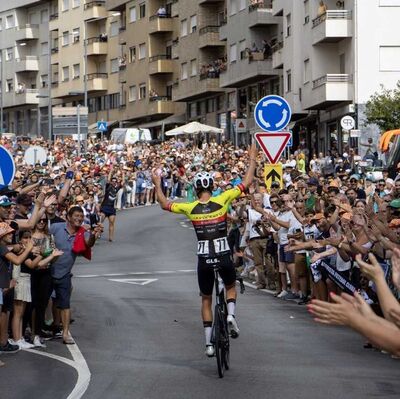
x=312, y=236
x=213, y=69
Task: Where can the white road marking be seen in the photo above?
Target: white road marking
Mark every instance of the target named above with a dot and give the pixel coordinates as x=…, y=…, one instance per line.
x=78, y=363
x=135, y=273
x=137, y=281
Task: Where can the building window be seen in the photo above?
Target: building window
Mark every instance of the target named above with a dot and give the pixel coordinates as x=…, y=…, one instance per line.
x=306, y=71
x=44, y=81
x=306, y=11
x=10, y=22
x=132, y=54
x=1, y=24
x=44, y=48
x=233, y=9
x=65, y=38
x=389, y=58
x=242, y=49
x=233, y=53
x=142, y=51
x=9, y=53
x=65, y=74
x=65, y=5
x=184, y=27
x=114, y=28
x=288, y=25
x=9, y=85
x=142, y=10
x=75, y=35
x=289, y=80
x=76, y=3
x=114, y=65
x=77, y=71
x=113, y=100
x=44, y=16
x=184, y=70
x=132, y=93
x=132, y=14
x=142, y=91
x=193, y=67
x=193, y=23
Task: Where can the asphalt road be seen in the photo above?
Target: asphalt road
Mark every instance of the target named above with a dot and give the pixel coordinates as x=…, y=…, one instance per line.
x=146, y=341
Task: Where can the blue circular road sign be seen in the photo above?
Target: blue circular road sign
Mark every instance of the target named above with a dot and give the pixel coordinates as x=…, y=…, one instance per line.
x=7, y=167
x=272, y=113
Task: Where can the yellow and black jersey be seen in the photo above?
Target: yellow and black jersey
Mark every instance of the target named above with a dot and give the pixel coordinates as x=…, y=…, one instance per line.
x=209, y=221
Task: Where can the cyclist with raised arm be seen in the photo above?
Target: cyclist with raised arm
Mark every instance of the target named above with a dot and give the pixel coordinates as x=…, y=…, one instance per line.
x=209, y=217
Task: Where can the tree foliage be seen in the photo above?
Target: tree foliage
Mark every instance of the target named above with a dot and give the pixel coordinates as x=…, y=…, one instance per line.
x=383, y=108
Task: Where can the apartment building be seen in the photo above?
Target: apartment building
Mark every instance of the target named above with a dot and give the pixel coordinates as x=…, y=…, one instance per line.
x=147, y=76
x=24, y=49
x=250, y=32
x=333, y=58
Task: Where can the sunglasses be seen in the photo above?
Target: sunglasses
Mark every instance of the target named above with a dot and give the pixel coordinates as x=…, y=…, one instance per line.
x=273, y=202
x=353, y=181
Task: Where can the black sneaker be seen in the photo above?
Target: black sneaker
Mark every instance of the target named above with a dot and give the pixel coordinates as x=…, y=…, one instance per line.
x=46, y=335
x=8, y=348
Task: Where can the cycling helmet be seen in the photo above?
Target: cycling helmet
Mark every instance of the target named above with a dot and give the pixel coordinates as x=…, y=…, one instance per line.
x=203, y=181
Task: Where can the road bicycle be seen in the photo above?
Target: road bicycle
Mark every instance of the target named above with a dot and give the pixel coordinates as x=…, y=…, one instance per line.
x=220, y=332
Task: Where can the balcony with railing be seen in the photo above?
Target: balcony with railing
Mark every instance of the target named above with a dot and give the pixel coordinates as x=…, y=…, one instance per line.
x=209, y=37
x=26, y=96
x=250, y=68
x=260, y=13
x=97, y=81
x=160, y=23
x=196, y=87
x=206, y=2
x=116, y=5
x=160, y=105
x=94, y=10
x=96, y=46
x=53, y=21
x=29, y=63
x=122, y=38
x=161, y=64
x=277, y=55
x=27, y=32
x=329, y=90
x=332, y=27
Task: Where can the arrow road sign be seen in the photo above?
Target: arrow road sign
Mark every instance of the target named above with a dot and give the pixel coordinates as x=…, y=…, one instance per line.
x=137, y=281
x=273, y=173
x=7, y=167
x=272, y=113
x=102, y=126
x=273, y=144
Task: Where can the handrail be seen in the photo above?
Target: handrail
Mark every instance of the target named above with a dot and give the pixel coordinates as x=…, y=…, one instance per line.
x=160, y=98
x=91, y=4
x=25, y=91
x=26, y=26
x=53, y=16
x=95, y=39
x=27, y=58
x=159, y=57
x=332, y=14
x=209, y=28
x=207, y=75
x=96, y=75
x=332, y=78
x=156, y=16
x=260, y=4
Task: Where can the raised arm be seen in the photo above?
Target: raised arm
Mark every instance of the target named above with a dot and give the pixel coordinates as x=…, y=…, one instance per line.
x=161, y=198
x=248, y=178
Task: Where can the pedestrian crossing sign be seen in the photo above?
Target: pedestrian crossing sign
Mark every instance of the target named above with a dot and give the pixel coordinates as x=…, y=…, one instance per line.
x=102, y=126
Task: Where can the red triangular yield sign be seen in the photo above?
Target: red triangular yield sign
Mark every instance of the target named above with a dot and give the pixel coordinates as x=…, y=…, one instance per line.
x=273, y=144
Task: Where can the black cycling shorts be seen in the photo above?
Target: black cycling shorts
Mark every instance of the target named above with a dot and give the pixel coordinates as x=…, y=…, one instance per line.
x=205, y=272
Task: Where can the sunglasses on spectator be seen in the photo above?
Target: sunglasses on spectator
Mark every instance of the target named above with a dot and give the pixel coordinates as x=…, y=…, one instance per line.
x=273, y=202
x=353, y=181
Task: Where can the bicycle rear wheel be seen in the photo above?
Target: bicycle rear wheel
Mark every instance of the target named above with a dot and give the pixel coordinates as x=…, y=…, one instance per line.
x=225, y=335
x=219, y=340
